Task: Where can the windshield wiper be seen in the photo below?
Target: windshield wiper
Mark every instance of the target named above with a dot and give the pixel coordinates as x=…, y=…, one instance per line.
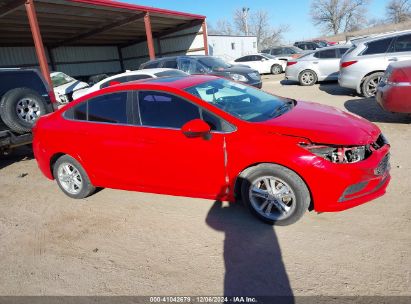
x=282, y=109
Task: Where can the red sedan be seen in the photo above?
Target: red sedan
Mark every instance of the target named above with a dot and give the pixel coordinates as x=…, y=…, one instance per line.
x=394, y=88
x=208, y=137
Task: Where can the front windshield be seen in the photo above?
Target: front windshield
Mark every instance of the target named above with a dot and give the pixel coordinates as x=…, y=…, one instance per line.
x=59, y=79
x=214, y=63
x=244, y=102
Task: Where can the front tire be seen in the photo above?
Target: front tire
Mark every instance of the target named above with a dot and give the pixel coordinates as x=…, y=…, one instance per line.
x=72, y=178
x=307, y=78
x=275, y=194
x=276, y=69
x=370, y=84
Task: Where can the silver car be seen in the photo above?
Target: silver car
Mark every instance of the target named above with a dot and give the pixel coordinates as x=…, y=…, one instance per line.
x=363, y=65
x=322, y=64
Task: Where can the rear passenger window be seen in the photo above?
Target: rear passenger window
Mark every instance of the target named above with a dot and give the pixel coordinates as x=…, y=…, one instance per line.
x=110, y=108
x=242, y=59
x=342, y=52
x=171, y=64
x=377, y=47
x=79, y=112
x=327, y=54
x=403, y=44
x=165, y=110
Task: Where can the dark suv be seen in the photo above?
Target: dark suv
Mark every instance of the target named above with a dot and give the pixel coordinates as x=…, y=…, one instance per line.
x=25, y=96
x=307, y=45
x=199, y=64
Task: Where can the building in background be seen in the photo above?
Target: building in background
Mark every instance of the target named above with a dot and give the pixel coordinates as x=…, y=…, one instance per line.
x=89, y=37
x=229, y=47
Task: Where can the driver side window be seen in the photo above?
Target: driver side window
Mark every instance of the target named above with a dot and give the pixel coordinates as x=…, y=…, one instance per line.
x=158, y=109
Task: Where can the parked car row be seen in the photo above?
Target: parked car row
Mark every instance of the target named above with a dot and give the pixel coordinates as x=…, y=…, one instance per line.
x=370, y=66
x=209, y=65
x=284, y=156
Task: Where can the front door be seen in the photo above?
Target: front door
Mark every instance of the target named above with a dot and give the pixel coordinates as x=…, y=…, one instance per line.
x=166, y=161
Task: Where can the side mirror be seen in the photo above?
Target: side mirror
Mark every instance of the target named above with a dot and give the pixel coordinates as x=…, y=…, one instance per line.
x=196, y=128
x=114, y=82
x=263, y=59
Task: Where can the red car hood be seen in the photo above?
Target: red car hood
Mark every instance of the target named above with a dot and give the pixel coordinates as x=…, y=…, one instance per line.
x=324, y=124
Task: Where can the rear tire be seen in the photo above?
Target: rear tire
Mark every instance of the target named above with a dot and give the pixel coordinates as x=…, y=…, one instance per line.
x=307, y=78
x=72, y=178
x=370, y=84
x=20, y=108
x=276, y=69
x=287, y=194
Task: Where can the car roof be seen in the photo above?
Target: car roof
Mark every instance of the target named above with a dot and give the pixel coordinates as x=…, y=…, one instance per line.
x=332, y=47
x=378, y=36
x=179, y=82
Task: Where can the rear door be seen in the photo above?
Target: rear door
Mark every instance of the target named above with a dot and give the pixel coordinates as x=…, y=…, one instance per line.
x=104, y=126
x=328, y=64
x=400, y=49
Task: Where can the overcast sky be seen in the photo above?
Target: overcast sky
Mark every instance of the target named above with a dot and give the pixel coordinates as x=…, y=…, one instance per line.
x=292, y=12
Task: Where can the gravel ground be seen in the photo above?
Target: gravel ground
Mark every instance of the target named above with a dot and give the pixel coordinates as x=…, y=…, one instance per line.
x=129, y=243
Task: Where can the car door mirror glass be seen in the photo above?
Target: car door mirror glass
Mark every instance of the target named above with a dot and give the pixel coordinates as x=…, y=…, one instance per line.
x=196, y=128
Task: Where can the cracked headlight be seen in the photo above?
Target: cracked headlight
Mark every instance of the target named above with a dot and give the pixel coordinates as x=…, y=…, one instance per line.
x=238, y=77
x=339, y=154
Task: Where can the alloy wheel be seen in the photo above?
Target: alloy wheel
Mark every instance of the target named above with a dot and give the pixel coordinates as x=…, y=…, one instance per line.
x=272, y=198
x=28, y=110
x=70, y=178
x=372, y=84
x=307, y=78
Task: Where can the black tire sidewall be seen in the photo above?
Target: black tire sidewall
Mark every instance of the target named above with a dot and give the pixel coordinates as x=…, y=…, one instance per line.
x=298, y=186
x=8, y=111
x=308, y=84
x=87, y=188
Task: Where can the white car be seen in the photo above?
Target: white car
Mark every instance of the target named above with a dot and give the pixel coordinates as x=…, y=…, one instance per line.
x=263, y=63
x=319, y=65
x=129, y=76
x=64, y=86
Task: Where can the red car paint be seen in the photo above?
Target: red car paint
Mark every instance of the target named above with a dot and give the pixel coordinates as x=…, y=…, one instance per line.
x=167, y=161
x=394, y=91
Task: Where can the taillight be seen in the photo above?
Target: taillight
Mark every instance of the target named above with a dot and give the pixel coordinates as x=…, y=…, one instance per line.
x=347, y=63
x=398, y=76
x=291, y=63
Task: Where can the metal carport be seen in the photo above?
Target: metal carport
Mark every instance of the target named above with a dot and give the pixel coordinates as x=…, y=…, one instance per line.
x=131, y=31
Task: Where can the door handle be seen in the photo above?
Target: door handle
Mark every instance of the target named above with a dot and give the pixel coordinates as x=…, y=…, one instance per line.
x=315, y=62
x=393, y=59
